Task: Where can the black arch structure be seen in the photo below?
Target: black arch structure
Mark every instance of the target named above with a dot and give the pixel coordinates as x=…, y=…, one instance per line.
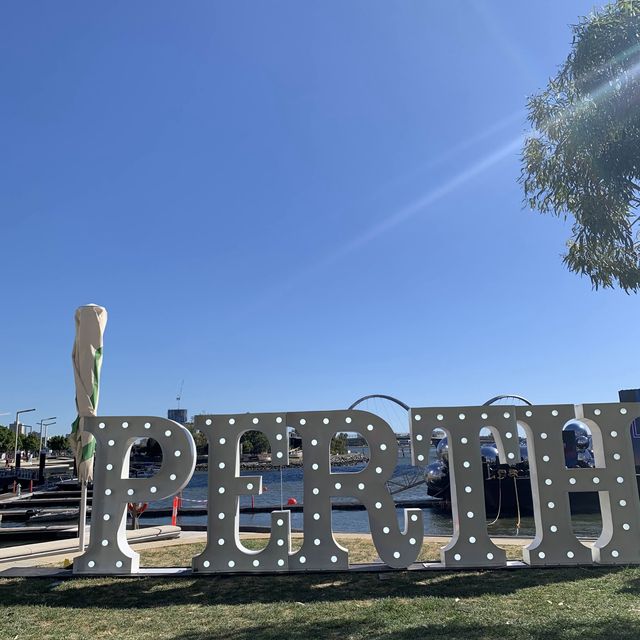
x=379, y=395
x=508, y=396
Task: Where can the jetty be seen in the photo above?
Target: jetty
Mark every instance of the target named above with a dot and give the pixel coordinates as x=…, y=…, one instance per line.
x=28, y=510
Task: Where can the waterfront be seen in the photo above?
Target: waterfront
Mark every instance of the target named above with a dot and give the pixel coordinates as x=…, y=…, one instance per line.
x=280, y=486
x=277, y=493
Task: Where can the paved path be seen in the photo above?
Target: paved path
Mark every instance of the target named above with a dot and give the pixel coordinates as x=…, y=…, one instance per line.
x=59, y=551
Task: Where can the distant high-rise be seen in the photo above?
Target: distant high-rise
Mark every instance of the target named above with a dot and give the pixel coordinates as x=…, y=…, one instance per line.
x=21, y=429
x=177, y=415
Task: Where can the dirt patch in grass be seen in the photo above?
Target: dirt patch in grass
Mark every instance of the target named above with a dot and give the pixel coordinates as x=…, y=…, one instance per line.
x=361, y=550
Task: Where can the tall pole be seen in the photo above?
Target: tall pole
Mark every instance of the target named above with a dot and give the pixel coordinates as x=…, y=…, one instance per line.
x=42, y=453
x=44, y=444
x=15, y=451
x=46, y=426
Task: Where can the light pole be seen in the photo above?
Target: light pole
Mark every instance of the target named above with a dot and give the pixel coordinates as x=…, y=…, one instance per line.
x=46, y=426
x=44, y=444
x=15, y=451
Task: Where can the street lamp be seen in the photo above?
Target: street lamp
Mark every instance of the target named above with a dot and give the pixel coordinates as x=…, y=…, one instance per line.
x=15, y=451
x=42, y=445
x=46, y=426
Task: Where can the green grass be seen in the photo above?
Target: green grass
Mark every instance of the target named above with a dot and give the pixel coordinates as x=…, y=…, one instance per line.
x=361, y=550
x=584, y=603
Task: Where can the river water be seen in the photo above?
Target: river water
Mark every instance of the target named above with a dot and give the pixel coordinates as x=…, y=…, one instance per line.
x=289, y=484
x=280, y=486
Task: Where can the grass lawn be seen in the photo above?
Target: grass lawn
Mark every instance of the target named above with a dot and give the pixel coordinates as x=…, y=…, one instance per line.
x=585, y=603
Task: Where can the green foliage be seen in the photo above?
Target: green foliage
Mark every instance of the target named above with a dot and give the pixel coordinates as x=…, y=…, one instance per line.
x=339, y=444
x=59, y=443
x=254, y=442
x=29, y=442
x=583, y=160
x=7, y=440
x=202, y=444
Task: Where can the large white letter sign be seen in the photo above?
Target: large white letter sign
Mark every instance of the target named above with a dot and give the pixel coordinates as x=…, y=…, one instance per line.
x=471, y=545
x=320, y=551
x=613, y=477
x=224, y=551
x=108, y=550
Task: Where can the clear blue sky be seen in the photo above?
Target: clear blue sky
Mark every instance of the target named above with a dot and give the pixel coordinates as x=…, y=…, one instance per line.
x=289, y=205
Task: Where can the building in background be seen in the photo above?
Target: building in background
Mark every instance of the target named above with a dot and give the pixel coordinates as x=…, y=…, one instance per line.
x=178, y=415
x=21, y=428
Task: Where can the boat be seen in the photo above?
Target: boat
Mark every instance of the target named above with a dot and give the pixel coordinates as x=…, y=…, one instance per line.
x=507, y=488
x=63, y=483
x=54, y=515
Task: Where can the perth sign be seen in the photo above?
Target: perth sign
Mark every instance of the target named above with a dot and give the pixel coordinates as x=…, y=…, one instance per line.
x=398, y=545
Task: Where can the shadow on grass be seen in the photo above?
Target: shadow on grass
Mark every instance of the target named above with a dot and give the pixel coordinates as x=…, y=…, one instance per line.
x=148, y=593
x=632, y=587
x=584, y=630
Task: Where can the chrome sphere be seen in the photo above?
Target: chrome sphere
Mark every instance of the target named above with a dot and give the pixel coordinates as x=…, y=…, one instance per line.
x=582, y=442
x=436, y=472
x=442, y=450
x=489, y=452
x=437, y=477
x=578, y=429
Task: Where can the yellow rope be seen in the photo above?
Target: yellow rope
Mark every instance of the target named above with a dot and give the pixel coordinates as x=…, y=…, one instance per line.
x=499, y=502
x=515, y=486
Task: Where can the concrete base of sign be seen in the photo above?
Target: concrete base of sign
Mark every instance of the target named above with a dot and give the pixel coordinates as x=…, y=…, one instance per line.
x=187, y=572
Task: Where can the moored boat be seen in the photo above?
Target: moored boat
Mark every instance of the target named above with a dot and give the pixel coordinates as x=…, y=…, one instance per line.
x=507, y=488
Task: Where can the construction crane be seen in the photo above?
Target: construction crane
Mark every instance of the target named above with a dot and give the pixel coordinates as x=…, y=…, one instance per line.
x=179, y=396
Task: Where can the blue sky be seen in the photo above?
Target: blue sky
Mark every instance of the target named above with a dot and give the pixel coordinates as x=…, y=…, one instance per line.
x=288, y=205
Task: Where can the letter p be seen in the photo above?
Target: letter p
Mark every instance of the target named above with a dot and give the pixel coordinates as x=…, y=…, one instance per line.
x=108, y=551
